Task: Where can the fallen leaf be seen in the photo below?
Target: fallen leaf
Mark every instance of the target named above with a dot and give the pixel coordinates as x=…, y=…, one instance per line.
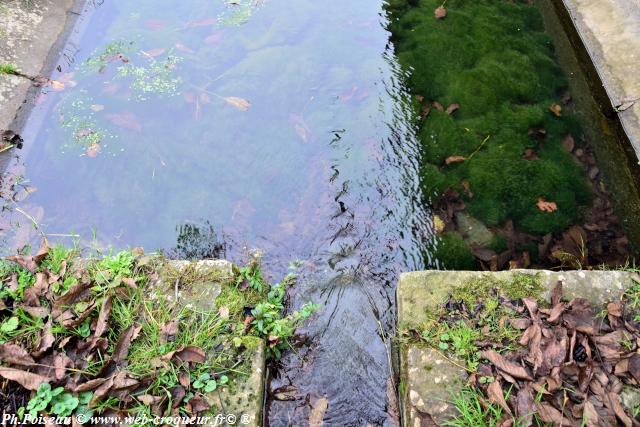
x=15, y=354
x=121, y=349
x=545, y=206
x=191, y=354
x=46, y=339
x=28, y=380
x=549, y=414
x=168, y=331
x=93, y=150
x=126, y=120
x=454, y=159
x=556, y=109
x=452, y=108
x=61, y=363
x=501, y=363
x=239, y=103
x=103, y=317
x=568, y=143
x=437, y=106
x=318, y=409
x=496, y=395
x=31, y=262
x=89, y=385
x=525, y=405
x=154, y=52
x=198, y=404
x=438, y=224
x=440, y=12
x=56, y=85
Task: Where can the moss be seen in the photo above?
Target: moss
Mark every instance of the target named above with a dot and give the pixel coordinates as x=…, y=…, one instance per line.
x=494, y=59
x=483, y=288
x=454, y=253
x=498, y=244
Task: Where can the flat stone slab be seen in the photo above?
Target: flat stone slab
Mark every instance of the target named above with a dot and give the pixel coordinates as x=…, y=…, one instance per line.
x=428, y=379
x=243, y=400
x=610, y=30
x=28, y=32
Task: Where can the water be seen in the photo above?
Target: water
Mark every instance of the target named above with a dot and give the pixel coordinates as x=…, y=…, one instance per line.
x=270, y=125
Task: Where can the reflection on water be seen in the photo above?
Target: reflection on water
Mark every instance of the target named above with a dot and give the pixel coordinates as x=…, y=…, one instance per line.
x=275, y=125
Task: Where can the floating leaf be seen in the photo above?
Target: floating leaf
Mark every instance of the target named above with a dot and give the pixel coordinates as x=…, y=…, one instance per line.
x=546, y=206
x=56, y=85
x=239, y=103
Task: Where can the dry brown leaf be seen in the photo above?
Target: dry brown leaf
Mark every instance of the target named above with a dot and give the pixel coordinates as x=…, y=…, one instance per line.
x=28, y=380
x=198, y=404
x=121, y=349
x=437, y=106
x=191, y=354
x=496, y=395
x=61, y=362
x=168, y=331
x=31, y=262
x=590, y=415
x=501, y=363
x=103, y=317
x=46, y=339
x=15, y=354
x=89, y=385
x=615, y=404
x=239, y=103
x=454, y=159
x=440, y=12
x=556, y=109
x=549, y=414
x=452, y=108
x=525, y=405
x=93, y=150
x=546, y=206
x=319, y=408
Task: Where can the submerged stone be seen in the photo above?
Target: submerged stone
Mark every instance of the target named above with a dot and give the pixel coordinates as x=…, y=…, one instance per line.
x=474, y=231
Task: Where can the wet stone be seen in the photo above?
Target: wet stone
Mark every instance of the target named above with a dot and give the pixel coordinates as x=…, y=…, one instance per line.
x=473, y=231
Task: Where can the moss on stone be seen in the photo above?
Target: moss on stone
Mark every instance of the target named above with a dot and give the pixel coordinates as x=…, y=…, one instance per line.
x=494, y=59
x=481, y=288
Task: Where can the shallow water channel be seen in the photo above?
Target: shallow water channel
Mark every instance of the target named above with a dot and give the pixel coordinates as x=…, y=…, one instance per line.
x=217, y=129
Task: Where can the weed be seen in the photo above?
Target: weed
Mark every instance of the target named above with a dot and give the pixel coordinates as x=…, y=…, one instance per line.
x=9, y=69
x=58, y=402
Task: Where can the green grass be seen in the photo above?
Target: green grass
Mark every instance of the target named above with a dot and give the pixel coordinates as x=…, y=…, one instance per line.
x=9, y=69
x=494, y=59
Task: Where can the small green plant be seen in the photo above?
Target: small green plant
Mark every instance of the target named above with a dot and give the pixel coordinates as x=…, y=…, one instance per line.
x=57, y=401
x=111, y=267
x=205, y=383
x=251, y=276
x=473, y=410
x=9, y=69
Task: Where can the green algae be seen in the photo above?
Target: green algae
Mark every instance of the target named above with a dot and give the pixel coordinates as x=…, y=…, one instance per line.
x=519, y=286
x=494, y=59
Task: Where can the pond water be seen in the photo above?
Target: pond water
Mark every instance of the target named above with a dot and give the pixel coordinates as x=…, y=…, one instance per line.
x=212, y=128
x=278, y=126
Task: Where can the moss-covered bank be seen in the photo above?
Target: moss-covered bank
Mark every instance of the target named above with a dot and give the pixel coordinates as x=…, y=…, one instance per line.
x=502, y=150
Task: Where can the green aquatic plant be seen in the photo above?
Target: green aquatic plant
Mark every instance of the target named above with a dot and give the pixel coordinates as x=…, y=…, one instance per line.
x=155, y=77
x=495, y=61
x=238, y=12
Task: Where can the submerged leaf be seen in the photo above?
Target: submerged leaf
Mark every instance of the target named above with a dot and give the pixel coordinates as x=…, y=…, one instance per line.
x=239, y=103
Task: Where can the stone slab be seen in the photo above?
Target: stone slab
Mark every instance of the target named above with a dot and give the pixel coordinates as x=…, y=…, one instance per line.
x=28, y=33
x=428, y=380
x=610, y=31
x=243, y=401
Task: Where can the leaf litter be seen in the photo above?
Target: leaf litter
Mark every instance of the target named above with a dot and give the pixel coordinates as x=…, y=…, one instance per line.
x=570, y=368
x=89, y=328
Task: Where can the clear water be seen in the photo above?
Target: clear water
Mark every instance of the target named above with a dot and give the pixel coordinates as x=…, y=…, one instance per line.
x=277, y=125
